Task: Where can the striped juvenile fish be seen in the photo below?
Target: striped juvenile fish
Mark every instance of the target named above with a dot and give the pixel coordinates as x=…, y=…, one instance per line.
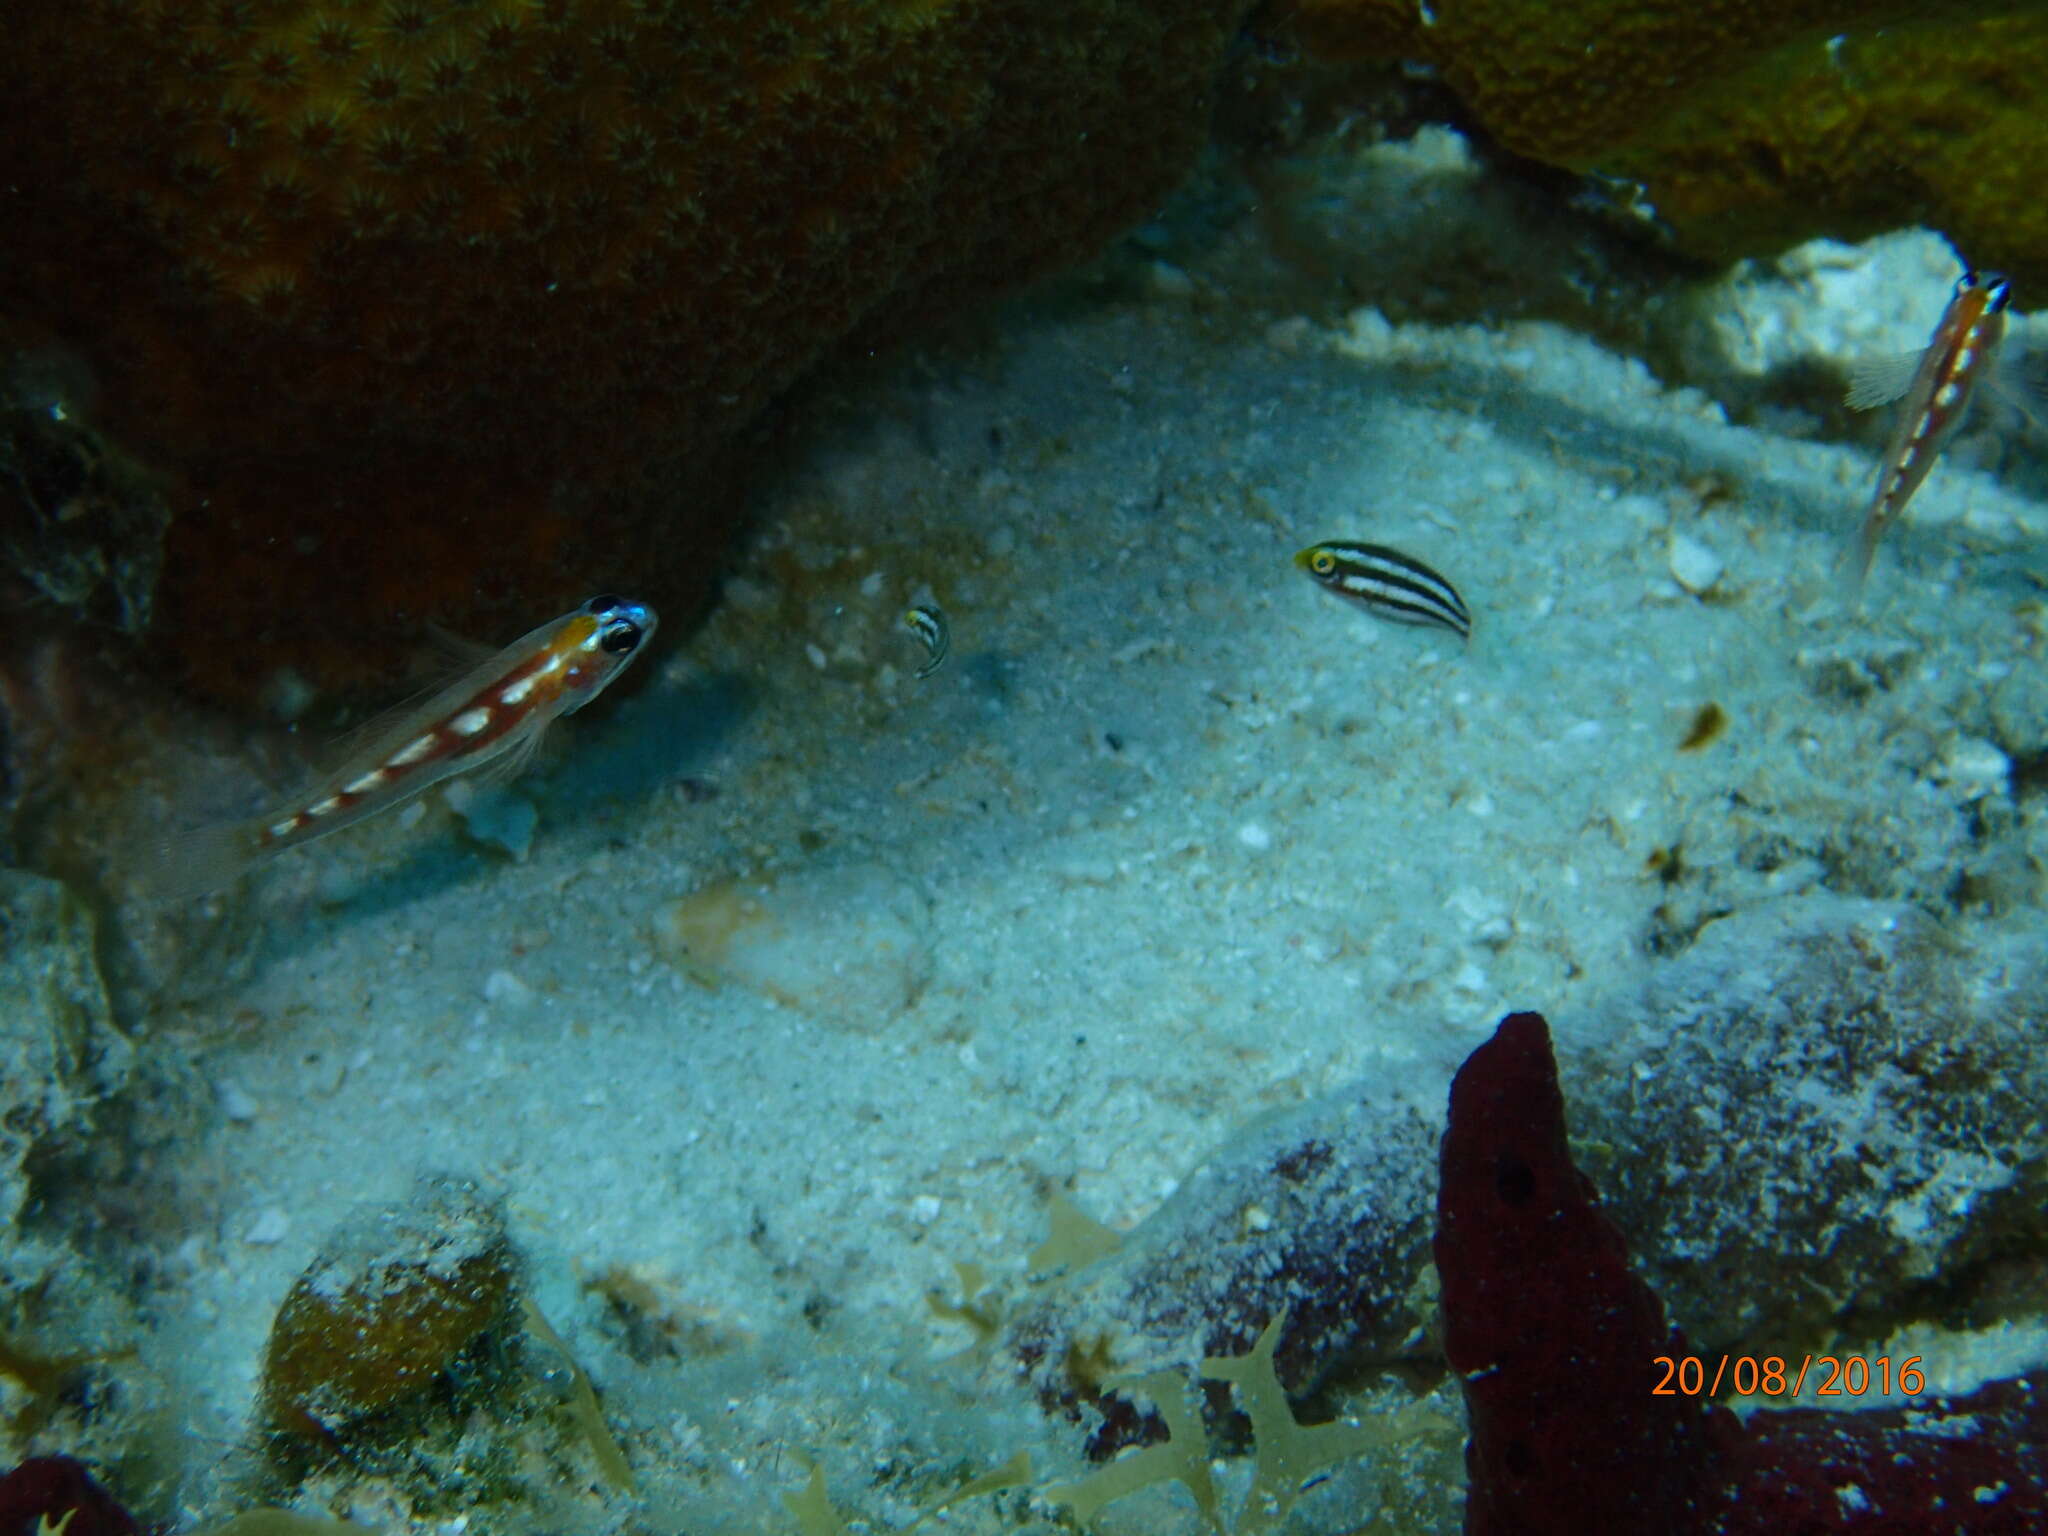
x=929, y=625
x=1386, y=582
x=493, y=715
x=1937, y=384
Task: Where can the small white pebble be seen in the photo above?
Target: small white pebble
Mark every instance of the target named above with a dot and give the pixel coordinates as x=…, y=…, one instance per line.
x=1170, y=282
x=817, y=654
x=1495, y=932
x=871, y=584
x=1974, y=767
x=502, y=986
x=1694, y=566
x=1254, y=836
x=924, y=1210
x=234, y=1101
x=270, y=1226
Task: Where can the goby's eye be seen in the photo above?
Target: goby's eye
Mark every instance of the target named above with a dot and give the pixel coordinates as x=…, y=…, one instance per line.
x=619, y=637
x=601, y=604
x=1322, y=562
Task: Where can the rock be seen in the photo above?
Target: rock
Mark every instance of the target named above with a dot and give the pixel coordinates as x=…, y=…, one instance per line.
x=1821, y=1104
x=62, y=1051
x=1322, y=1209
x=1694, y=566
x=398, y=1293
x=850, y=944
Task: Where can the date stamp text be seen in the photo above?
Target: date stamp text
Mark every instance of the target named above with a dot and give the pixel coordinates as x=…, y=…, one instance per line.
x=1775, y=1376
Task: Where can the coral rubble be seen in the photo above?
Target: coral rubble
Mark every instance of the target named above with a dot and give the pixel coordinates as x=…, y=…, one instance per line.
x=62, y=1050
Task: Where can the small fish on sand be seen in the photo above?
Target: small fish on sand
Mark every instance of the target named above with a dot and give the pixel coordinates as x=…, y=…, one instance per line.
x=1936, y=384
x=928, y=623
x=493, y=715
x=1388, y=583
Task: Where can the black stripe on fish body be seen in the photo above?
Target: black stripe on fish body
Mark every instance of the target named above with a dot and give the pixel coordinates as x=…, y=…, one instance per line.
x=1384, y=581
x=929, y=625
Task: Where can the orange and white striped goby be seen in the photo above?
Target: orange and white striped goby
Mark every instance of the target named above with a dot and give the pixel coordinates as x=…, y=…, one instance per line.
x=1937, y=385
x=492, y=716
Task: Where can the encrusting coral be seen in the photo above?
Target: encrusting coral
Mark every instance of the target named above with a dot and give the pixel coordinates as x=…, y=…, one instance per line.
x=373, y=276
x=395, y=1297
x=1752, y=125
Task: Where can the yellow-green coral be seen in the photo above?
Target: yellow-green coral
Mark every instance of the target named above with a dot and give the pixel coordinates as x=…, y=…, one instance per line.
x=1917, y=124
x=1289, y=1455
x=1752, y=124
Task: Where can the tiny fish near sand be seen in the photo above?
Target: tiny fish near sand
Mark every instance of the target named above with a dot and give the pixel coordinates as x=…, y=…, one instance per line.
x=1937, y=384
x=1386, y=582
x=493, y=715
x=929, y=625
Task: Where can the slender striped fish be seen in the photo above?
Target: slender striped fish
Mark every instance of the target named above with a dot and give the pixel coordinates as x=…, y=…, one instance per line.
x=929, y=625
x=1936, y=384
x=492, y=716
x=1386, y=582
